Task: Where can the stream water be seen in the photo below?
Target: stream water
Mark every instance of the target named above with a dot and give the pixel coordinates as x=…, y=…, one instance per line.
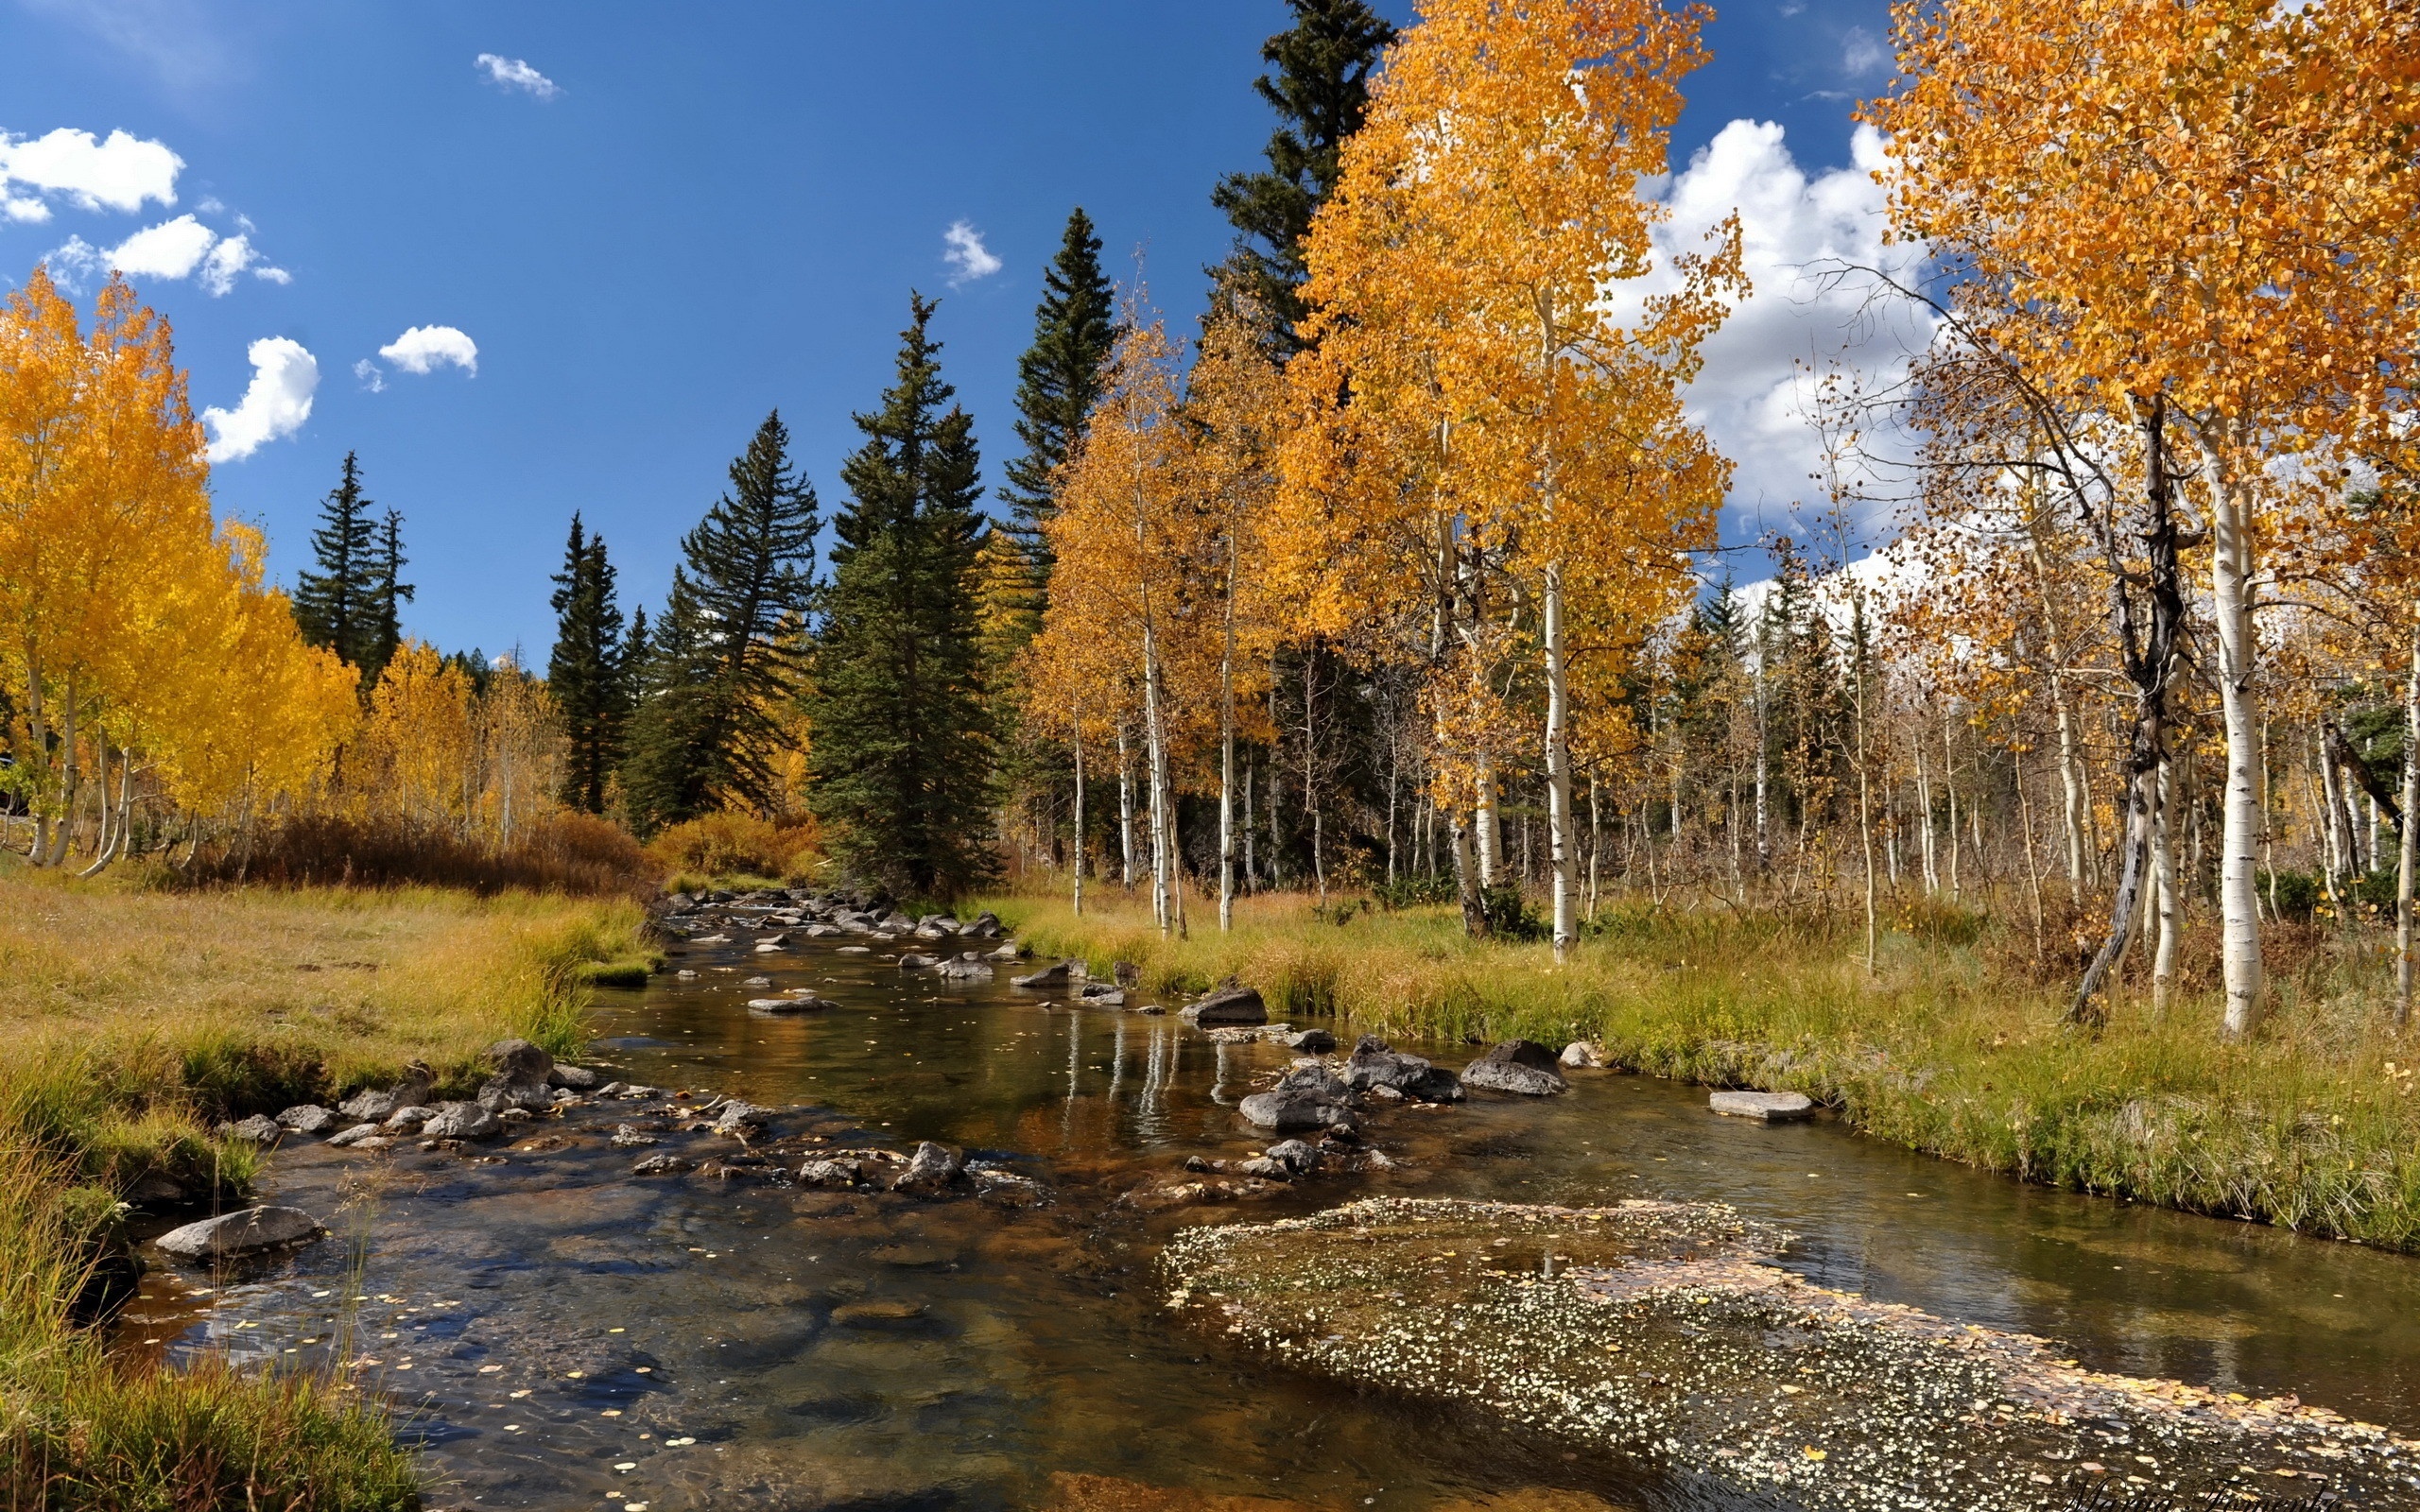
x=567, y=1334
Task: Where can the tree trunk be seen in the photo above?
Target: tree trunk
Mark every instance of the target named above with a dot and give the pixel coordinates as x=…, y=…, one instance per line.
x=103, y=836
x=1227, y=759
x=2404, y=849
x=1949, y=785
x=1077, y=742
x=1491, y=854
x=1560, y=847
x=1251, y=875
x=2233, y=597
x=1153, y=751
x=1466, y=886
x=1125, y=808
x=2164, y=884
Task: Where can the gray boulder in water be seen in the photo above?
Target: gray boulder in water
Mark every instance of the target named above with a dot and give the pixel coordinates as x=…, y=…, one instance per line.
x=308, y=1118
x=462, y=1120
x=1308, y=1098
x=241, y=1233
x=933, y=1168
x=1228, y=1005
x=1373, y=1065
x=970, y=965
x=1522, y=1066
x=256, y=1129
x=372, y=1106
x=1050, y=978
x=520, y=1080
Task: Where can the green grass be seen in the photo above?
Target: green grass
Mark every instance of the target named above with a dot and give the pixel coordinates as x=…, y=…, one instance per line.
x=1952, y=1047
x=134, y=1022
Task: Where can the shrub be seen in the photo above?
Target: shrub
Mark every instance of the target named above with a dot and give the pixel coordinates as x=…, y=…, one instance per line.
x=565, y=852
x=731, y=844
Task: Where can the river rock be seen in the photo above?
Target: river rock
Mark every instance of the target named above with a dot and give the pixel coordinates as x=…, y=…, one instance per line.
x=627, y=1138
x=521, y=1077
x=1228, y=1003
x=1771, y=1108
x=740, y=1120
x=1310, y=1042
x=241, y=1233
x=784, y=1006
x=1308, y=1098
x=986, y=926
x=257, y=1130
x=1585, y=1054
x=1372, y=1066
x=1010, y=952
x=1268, y=1168
x=822, y=930
x=407, y=1120
x=660, y=1164
x=345, y=1138
x=932, y=1168
x=1298, y=1157
x=970, y=965
x=372, y=1105
x=1050, y=978
x=831, y=1173
x=572, y=1079
x=897, y=922
x=1100, y=995
x=462, y=1120
x=308, y=1118
x=1522, y=1066
x=913, y=962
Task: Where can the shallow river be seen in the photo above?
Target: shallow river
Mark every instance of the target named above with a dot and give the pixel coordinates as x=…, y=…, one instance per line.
x=570, y=1335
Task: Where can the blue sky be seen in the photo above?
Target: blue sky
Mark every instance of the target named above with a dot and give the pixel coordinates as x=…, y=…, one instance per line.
x=682, y=216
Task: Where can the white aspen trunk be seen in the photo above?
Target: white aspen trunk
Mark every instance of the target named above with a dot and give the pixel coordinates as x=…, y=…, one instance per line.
x=2404, y=849
x=1075, y=740
x=1310, y=775
x=103, y=836
x=2164, y=887
x=2232, y=603
x=1865, y=811
x=1559, y=838
x=1152, y=748
x=2071, y=777
x=1491, y=856
x=1125, y=808
x=1923, y=811
x=1596, y=849
x=2332, y=813
x=70, y=782
x=1764, y=743
x=1227, y=761
x=1395, y=780
x=38, y=727
x=1251, y=874
x=1949, y=785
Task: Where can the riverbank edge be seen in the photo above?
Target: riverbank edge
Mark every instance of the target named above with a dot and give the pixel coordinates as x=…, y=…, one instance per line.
x=90, y=1109
x=2166, y=1114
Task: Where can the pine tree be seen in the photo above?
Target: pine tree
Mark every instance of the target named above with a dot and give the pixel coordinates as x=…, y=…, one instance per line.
x=384, y=633
x=725, y=655
x=1058, y=379
x=1321, y=91
x=904, y=744
x=338, y=606
x=584, y=673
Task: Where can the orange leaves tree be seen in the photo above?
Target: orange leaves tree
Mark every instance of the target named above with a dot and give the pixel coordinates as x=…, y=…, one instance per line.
x=2205, y=205
x=1486, y=433
x=129, y=622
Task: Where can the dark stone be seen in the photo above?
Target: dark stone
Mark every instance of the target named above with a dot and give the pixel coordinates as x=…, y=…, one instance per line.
x=779, y=1007
x=370, y=1105
x=933, y=1168
x=1050, y=978
x=1297, y=1157
x=913, y=962
x=833, y=1172
x=970, y=964
x=519, y=1060
x=1521, y=1067
x=572, y=1079
x=741, y=1119
x=1372, y=1065
x=1226, y=1005
x=1312, y=1041
x=1308, y=1098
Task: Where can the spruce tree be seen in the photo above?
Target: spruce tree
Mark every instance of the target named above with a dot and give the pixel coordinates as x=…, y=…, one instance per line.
x=725, y=654
x=584, y=672
x=338, y=606
x=1058, y=379
x=904, y=746
x=1320, y=88
x=384, y=635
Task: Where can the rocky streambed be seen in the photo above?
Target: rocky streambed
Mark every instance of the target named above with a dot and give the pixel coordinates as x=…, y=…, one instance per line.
x=838, y=1214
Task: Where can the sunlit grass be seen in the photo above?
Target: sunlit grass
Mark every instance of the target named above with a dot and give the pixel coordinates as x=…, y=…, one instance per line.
x=1945, y=1048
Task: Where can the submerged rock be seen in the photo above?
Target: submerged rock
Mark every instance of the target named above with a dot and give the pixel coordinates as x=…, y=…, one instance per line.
x=1663, y=1330
x=241, y=1233
x=1771, y=1108
x=1522, y=1066
x=779, y=1007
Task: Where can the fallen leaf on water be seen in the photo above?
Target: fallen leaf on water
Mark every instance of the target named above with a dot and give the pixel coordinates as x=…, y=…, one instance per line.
x=1812, y=1453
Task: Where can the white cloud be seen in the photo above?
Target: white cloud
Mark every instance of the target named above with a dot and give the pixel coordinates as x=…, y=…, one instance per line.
x=284, y=376
x=1860, y=53
x=968, y=258
x=182, y=247
x=120, y=173
x=424, y=347
x=1813, y=310
x=373, y=377
x=514, y=74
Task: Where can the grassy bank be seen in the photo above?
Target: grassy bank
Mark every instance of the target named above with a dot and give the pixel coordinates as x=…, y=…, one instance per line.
x=134, y=1021
x=1949, y=1048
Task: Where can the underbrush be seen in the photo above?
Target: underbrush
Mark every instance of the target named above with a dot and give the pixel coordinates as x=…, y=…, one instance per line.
x=1954, y=1046
x=729, y=845
x=575, y=853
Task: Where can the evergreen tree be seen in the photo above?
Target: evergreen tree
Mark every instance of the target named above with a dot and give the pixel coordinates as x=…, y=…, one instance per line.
x=584, y=674
x=1058, y=379
x=904, y=744
x=384, y=635
x=337, y=605
x=1320, y=89
x=725, y=655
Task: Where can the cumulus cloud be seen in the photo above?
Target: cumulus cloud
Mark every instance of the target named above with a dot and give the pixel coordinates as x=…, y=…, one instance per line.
x=968, y=258
x=1860, y=53
x=121, y=173
x=284, y=376
x=513, y=73
x=182, y=247
x=1812, y=311
x=424, y=347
